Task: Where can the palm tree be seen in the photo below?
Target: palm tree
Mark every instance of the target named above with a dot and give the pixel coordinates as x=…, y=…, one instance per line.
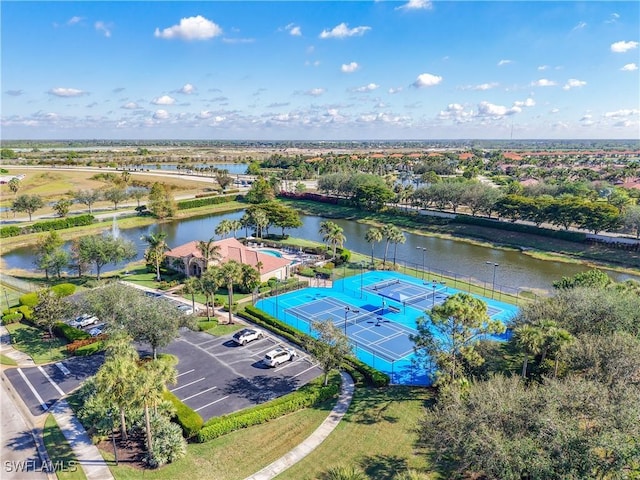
x=397, y=236
x=260, y=220
x=209, y=250
x=192, y=285
x=209, y=285
x=155, y=253
x=230, y=273
x=373, y=236
x=223, y=228
x=387, y=234
x=235, y=226
x=530, y=338
x=333, y=234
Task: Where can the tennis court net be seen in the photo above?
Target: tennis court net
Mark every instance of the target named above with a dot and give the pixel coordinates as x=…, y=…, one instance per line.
x=417, y=298
x=385, y=284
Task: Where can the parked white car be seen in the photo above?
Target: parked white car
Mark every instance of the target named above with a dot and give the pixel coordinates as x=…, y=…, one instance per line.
x=279, y=355
x=246, y=335
x=84, y=320
x=186, y=309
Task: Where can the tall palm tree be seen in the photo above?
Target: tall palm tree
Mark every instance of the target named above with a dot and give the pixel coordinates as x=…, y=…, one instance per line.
x=192, y=285
x=155, y=252
x=387, y=234
x=209, y=250
x=332, y=234
x=223, y=228
x=209, y=285
x=230, y=273
x=373, y=236
x=397, y=236
x=235, y=226
x=260, y=220
x=530, y=338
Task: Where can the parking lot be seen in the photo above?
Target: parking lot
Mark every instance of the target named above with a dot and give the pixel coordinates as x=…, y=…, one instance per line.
x=215, y=376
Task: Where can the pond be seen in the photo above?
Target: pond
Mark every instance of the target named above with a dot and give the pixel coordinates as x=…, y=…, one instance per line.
x=509, y=271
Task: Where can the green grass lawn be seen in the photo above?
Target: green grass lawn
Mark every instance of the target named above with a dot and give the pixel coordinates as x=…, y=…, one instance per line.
x=378, y=435
x=215, y=329
x=60, y=452
x=29, y=340
x=239, y=454
x=9, y=297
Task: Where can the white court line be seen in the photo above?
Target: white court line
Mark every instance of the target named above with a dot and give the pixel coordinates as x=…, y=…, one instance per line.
x=187, y=384
x=33, y=390
x=199, y=393
x=304, y=371
x=188, y=371
x=209, y=404
x=55, y=385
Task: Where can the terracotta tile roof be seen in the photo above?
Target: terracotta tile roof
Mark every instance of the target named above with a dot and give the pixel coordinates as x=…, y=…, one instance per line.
x=465, y=156
x=232, y=249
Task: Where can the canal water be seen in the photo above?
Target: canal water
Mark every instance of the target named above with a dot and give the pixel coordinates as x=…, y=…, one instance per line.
x=510, y=271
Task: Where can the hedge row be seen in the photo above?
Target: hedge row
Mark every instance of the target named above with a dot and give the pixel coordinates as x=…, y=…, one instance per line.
x=303, y=398
x=371, y=375
x=61, y=290
x=73, y=346
x=29, y=299
x=11, y=318
x=24, y=310
x=190, y=420
x=58, y=224
x=202, y=202
x=89, y=349
x=520, y=227
x=72, y=334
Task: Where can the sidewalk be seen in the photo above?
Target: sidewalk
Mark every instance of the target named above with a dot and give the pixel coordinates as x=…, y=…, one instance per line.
x=313, y=440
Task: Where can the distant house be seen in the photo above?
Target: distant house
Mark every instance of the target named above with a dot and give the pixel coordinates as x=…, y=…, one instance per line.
x=188, y=259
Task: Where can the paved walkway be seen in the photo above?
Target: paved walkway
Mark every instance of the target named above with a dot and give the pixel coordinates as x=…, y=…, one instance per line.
x=7, y=349
x=313, y=440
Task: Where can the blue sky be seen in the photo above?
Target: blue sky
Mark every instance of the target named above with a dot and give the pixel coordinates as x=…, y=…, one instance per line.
x=284, y=70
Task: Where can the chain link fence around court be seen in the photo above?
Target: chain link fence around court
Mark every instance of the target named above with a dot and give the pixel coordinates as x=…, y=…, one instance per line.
x=452, y=279
x=17, y=283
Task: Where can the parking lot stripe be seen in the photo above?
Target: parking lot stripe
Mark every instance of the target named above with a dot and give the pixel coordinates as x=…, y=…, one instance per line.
x=33, y=390
x=199, y=393
x=188, y=371
x=304, y=371
x=55, y=385
x=209, y=404
x=187, y=384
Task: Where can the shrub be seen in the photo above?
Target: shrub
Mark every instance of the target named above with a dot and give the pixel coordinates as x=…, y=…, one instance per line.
x=190, y=420
x=70, y=333
x=11, y=318
x=60, y=224
x=64, y=289
x=90, y=349
x=202, y=202
x=167, y=444
x=345, y=255
x=73, y=346
x=307, y=272
x=10, y=231
x=27, y=312
x=29, y=299
x=307, y=396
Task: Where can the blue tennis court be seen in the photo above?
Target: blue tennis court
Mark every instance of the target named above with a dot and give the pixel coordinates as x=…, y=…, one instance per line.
x=377, y=311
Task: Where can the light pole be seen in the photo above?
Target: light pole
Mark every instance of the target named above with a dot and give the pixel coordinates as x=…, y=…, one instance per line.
x=424, y=251
x=433, y=296
x=493, y=287
x=361, y=277
x=6, y=297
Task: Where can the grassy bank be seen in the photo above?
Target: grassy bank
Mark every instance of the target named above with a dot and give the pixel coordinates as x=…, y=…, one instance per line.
x=29, y=340
x=60, y=453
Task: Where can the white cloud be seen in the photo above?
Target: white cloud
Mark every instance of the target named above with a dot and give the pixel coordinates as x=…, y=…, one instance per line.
x=163, y=100
x=187, y=89
x=238, y=40
x=456, y=112
x=622, y=113
x=131, y=106
x=294, y=30
x=349, y=67
x=580, y=26
x=366, y=88
x=161, y=115
x=504, y=62
x=486, y=109
x=554, y=110
x=586, y=117
x=613, y=18
x=204, y=114
x=622, y=46
x=529, y=102
x=66, y=92
x=574, y=83
x=315, y=63
x=427, y=80
x=315, y=92
x=416, y=5
x=191, y=28
x=103, y=28
x=74, y=20
x=481, y=87
x=543, y=82
x=343, y=31
x=394, y=90
x=629, y=67
x=541, y=68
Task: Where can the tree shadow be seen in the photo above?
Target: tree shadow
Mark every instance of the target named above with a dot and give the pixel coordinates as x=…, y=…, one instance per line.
x=22, y=440
x=373, y=403
x=261, y=388
x=383, y=467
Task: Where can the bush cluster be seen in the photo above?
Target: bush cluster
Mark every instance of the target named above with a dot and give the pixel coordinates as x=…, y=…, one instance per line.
x=24, y=310
x=202, y=202
x=75, y=345
x=360, y=371
x=70, y=333
x=29, y=299
x=523, y=228
x=64, y=289
x=11, y=318
x=46, y=226
x=90, y=349
x=189, y=420
x=307, y=396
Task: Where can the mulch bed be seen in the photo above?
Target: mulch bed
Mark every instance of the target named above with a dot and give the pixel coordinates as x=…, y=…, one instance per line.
x=130, y=452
